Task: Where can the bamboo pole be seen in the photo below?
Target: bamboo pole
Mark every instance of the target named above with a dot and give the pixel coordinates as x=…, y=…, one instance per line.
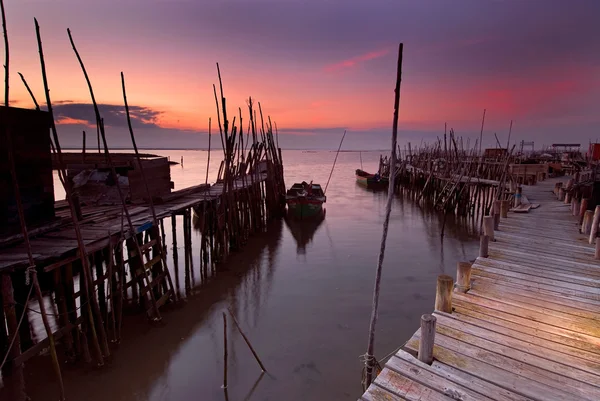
x=31, y=268
x=69, y=196
x=369, y=357
x=115, y=177
x=335, y=160
x=262, y=367
x=37, y=106
x=148, y=193
x=224, y=350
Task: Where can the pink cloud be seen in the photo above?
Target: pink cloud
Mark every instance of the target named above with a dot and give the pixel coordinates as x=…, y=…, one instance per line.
x=352, y=62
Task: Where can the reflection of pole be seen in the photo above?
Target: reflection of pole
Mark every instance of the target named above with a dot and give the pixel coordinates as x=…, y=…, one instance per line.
x=335, y=160
x=360, y=155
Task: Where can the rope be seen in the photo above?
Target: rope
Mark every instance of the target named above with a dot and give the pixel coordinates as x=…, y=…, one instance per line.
x=369, y=360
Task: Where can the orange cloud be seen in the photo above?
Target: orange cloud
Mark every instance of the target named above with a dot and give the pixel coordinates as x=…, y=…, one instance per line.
x=72, y=121
x=356, y=60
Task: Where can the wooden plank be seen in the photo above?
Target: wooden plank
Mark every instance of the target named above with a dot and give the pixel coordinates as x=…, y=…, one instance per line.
x=406, y=388
x=536, y=354
x=527, y=317
x=454, y=380
x=505, y=372
x=507, y=376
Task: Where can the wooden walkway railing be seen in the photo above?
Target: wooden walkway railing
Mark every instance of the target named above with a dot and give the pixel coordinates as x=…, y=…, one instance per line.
x=527, y=327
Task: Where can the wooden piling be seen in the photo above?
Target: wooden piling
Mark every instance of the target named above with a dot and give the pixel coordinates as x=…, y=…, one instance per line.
x=594, y=227
x=427, y=341
x=484, y=241
x=583, y=207
x=488, y=227
x=443, y=294
x=567, y=197
x=463, y=276
x=12, y=370
x=586, y=225
x=504, y=208
x=575, y=206
x=561, y=194
x=224, y=350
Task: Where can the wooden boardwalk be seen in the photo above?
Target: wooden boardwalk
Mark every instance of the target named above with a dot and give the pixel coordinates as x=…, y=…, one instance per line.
x=102, y=225
x=529, y=327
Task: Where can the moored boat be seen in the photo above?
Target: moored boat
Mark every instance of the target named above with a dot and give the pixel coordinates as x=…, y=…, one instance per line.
x=305, y=200
x=371, y=181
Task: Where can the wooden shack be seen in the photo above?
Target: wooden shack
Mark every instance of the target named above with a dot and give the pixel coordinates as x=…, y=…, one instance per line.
x=90, y=173
x=30, y=136
x=495, y=153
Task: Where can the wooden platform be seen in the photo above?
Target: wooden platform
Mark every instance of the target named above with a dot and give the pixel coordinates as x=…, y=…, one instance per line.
x=102, y=224
x=529, y=327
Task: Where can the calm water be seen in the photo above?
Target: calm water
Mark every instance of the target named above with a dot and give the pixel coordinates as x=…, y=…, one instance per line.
x=305, y=307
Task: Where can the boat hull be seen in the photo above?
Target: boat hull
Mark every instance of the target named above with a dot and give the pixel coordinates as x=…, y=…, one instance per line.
x=303, y=208
x=369, y=181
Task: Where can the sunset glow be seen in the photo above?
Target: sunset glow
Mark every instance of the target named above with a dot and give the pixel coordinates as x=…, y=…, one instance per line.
x=319, y=67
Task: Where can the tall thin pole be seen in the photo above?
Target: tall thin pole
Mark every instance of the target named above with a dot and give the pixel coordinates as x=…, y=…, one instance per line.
x=481, y=133
x=335, y=160
x=360, y=155
x=208, y=162
x=371, y=344
x=509, y=132
x=6, y=54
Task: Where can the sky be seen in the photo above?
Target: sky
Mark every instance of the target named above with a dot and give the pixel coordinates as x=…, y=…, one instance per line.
x=318, y=67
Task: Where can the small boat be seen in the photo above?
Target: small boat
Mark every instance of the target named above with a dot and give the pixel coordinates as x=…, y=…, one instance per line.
x=305, y=200
x=371, y=181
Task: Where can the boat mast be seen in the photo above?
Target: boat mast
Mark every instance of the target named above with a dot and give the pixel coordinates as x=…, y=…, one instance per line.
x=335, y=160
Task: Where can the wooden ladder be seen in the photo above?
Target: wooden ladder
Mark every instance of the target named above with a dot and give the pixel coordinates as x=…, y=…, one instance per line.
x=151, y=276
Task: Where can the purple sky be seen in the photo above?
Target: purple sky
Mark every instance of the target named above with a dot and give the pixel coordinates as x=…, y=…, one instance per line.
x=319, y=67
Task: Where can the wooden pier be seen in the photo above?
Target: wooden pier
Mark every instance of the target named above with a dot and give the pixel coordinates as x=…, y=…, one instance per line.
x=520, y=324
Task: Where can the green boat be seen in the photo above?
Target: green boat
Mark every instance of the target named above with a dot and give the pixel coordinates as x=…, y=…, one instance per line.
x=371, y=181
x=305, y=200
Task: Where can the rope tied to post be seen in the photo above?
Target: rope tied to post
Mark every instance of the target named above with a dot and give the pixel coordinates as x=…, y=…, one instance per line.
x=369, y=362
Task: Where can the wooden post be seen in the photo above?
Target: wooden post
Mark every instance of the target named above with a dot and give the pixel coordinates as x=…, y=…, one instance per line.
x=597, y=253
x=488, y=227
x=463, y=276
x=484, y=242
x=595, y=222
x=568, y=195
x=496, y=209
x=583, y=208
x=575, y=206
x=427, y=341
x=561, y=194
x=504, y=208
x=12, y=372
x=224, y=350
x=443, y=294
x=570, y=183
x=587, y=222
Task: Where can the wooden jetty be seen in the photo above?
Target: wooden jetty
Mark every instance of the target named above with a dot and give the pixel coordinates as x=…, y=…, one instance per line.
x=522, y=321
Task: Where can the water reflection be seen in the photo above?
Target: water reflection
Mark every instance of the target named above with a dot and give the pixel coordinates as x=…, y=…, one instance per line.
x=303, y=230
x=242, y=283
